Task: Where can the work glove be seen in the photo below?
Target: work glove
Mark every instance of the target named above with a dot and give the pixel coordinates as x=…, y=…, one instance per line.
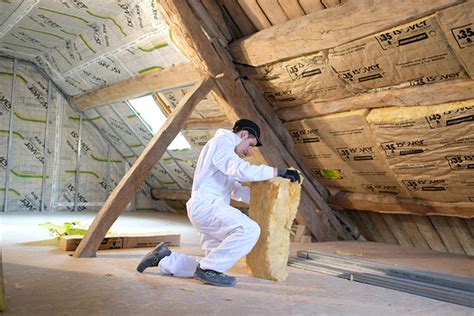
x=291, y=174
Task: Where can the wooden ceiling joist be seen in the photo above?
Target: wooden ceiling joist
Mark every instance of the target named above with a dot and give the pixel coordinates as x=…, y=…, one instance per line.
x=428, y=94
x=212, y=59
x=181, y=75
x=399, y=205
x=135, y=177
x=329, y=28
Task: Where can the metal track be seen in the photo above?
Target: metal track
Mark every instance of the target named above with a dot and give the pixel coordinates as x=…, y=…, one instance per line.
x=439, y=286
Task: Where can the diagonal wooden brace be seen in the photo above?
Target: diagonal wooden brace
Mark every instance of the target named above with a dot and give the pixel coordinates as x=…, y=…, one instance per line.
x=134, y=178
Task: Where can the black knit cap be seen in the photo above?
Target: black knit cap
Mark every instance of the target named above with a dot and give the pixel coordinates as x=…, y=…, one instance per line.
x=249, y=126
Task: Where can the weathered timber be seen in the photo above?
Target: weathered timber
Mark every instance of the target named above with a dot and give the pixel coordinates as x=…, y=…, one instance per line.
x=134, y=178
x=329, y=28
x=180, y=75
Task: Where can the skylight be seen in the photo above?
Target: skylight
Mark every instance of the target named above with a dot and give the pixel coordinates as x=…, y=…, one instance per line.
x=152, y=115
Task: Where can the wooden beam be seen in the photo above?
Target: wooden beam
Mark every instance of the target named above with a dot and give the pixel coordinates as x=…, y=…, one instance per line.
x=429, y=232
x=237, y=103
x=447, y=235
x=180, y=75
x=217, y=16
x=185, y=195
x=134, y=178
x=207, y=22
x=428, y=94
x=461, y=232
x=329, y=28
x=399, y=205
x=397, y=229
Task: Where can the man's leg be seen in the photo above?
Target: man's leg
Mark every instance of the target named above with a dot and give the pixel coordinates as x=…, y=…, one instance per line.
x=179, y=265
x=236, y=232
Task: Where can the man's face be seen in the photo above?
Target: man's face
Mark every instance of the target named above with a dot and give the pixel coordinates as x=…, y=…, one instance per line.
x=245, y=147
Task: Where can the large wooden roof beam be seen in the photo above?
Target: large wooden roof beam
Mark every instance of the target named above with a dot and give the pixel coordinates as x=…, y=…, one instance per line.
x=429, y=94
x=400, y=205
x=329, y=28
x=180, y=75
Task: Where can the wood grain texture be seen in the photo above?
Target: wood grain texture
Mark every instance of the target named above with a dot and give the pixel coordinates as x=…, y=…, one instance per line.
x=255, y=14
x=329, y=28
x=397, y=229
x=311, y=6
x=429, y=232
x=180, y=75
x=400, y=205
x=383, y=228
x=429, y=94
x=292, y=8
x=273, y=11
x=461, y=231
x=447, y=236
x=413, y=232
x=238, y=16
x=217, y=16
x=136, y=175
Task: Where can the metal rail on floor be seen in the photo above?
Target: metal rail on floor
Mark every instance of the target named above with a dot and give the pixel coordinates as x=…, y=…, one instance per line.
x=448, y=288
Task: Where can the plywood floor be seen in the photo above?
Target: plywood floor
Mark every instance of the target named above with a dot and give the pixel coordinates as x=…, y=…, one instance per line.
x=42, y=280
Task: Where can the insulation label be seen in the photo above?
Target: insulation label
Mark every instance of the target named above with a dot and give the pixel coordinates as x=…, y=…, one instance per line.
x=357, y=153
x=449, y=118
x=403, y=148
x=464, y=35
x=409, y=34
x=426, y=185
x=308, y=135
x=461, y=162
x=381, y=189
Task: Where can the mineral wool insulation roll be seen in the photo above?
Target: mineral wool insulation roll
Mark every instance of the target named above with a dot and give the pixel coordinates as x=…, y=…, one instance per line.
x=273, y=205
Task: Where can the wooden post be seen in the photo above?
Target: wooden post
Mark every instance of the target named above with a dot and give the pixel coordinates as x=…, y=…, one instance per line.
x=134, y=178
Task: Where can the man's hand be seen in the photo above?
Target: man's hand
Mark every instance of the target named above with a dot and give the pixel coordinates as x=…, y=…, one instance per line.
x=291, y=174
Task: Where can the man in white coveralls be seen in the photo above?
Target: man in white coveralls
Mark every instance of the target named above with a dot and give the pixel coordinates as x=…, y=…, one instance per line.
x=226, y=234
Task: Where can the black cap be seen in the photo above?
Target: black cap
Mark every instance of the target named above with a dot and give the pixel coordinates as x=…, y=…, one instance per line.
x=250, y=127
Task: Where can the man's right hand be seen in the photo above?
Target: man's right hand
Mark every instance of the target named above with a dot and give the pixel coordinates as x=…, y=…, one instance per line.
x=291, y=174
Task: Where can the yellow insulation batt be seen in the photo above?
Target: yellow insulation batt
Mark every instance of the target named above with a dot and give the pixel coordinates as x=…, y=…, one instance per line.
x=273, y=205
x=429, y=148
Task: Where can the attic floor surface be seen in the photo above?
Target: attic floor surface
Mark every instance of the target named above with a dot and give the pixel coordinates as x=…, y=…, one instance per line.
x=40, y=279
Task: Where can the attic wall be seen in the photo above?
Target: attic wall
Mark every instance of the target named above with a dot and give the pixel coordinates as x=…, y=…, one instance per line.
x=440, y=233
x=100, y=165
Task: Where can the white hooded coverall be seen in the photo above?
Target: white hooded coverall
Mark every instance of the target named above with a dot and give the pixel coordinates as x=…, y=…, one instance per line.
x=226, y=234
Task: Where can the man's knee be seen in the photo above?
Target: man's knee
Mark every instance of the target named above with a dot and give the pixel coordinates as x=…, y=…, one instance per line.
x=252, y=231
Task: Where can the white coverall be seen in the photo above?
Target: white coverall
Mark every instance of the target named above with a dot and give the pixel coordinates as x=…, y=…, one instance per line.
x=226, y=234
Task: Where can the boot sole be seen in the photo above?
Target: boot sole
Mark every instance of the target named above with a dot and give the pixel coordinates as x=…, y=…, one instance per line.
x=214, y=283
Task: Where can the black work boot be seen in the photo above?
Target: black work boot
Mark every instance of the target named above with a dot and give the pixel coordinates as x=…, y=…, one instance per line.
x=213, y=277
x=154, y=257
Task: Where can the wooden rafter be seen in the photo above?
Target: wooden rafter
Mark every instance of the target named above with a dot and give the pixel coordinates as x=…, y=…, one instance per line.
x=180, y=75
x=213, y=59
x=399, y=205
x=329, y=28
x=134, y=178
x=436, y=93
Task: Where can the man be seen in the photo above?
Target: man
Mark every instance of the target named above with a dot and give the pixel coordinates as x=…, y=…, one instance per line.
x=226, y=234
